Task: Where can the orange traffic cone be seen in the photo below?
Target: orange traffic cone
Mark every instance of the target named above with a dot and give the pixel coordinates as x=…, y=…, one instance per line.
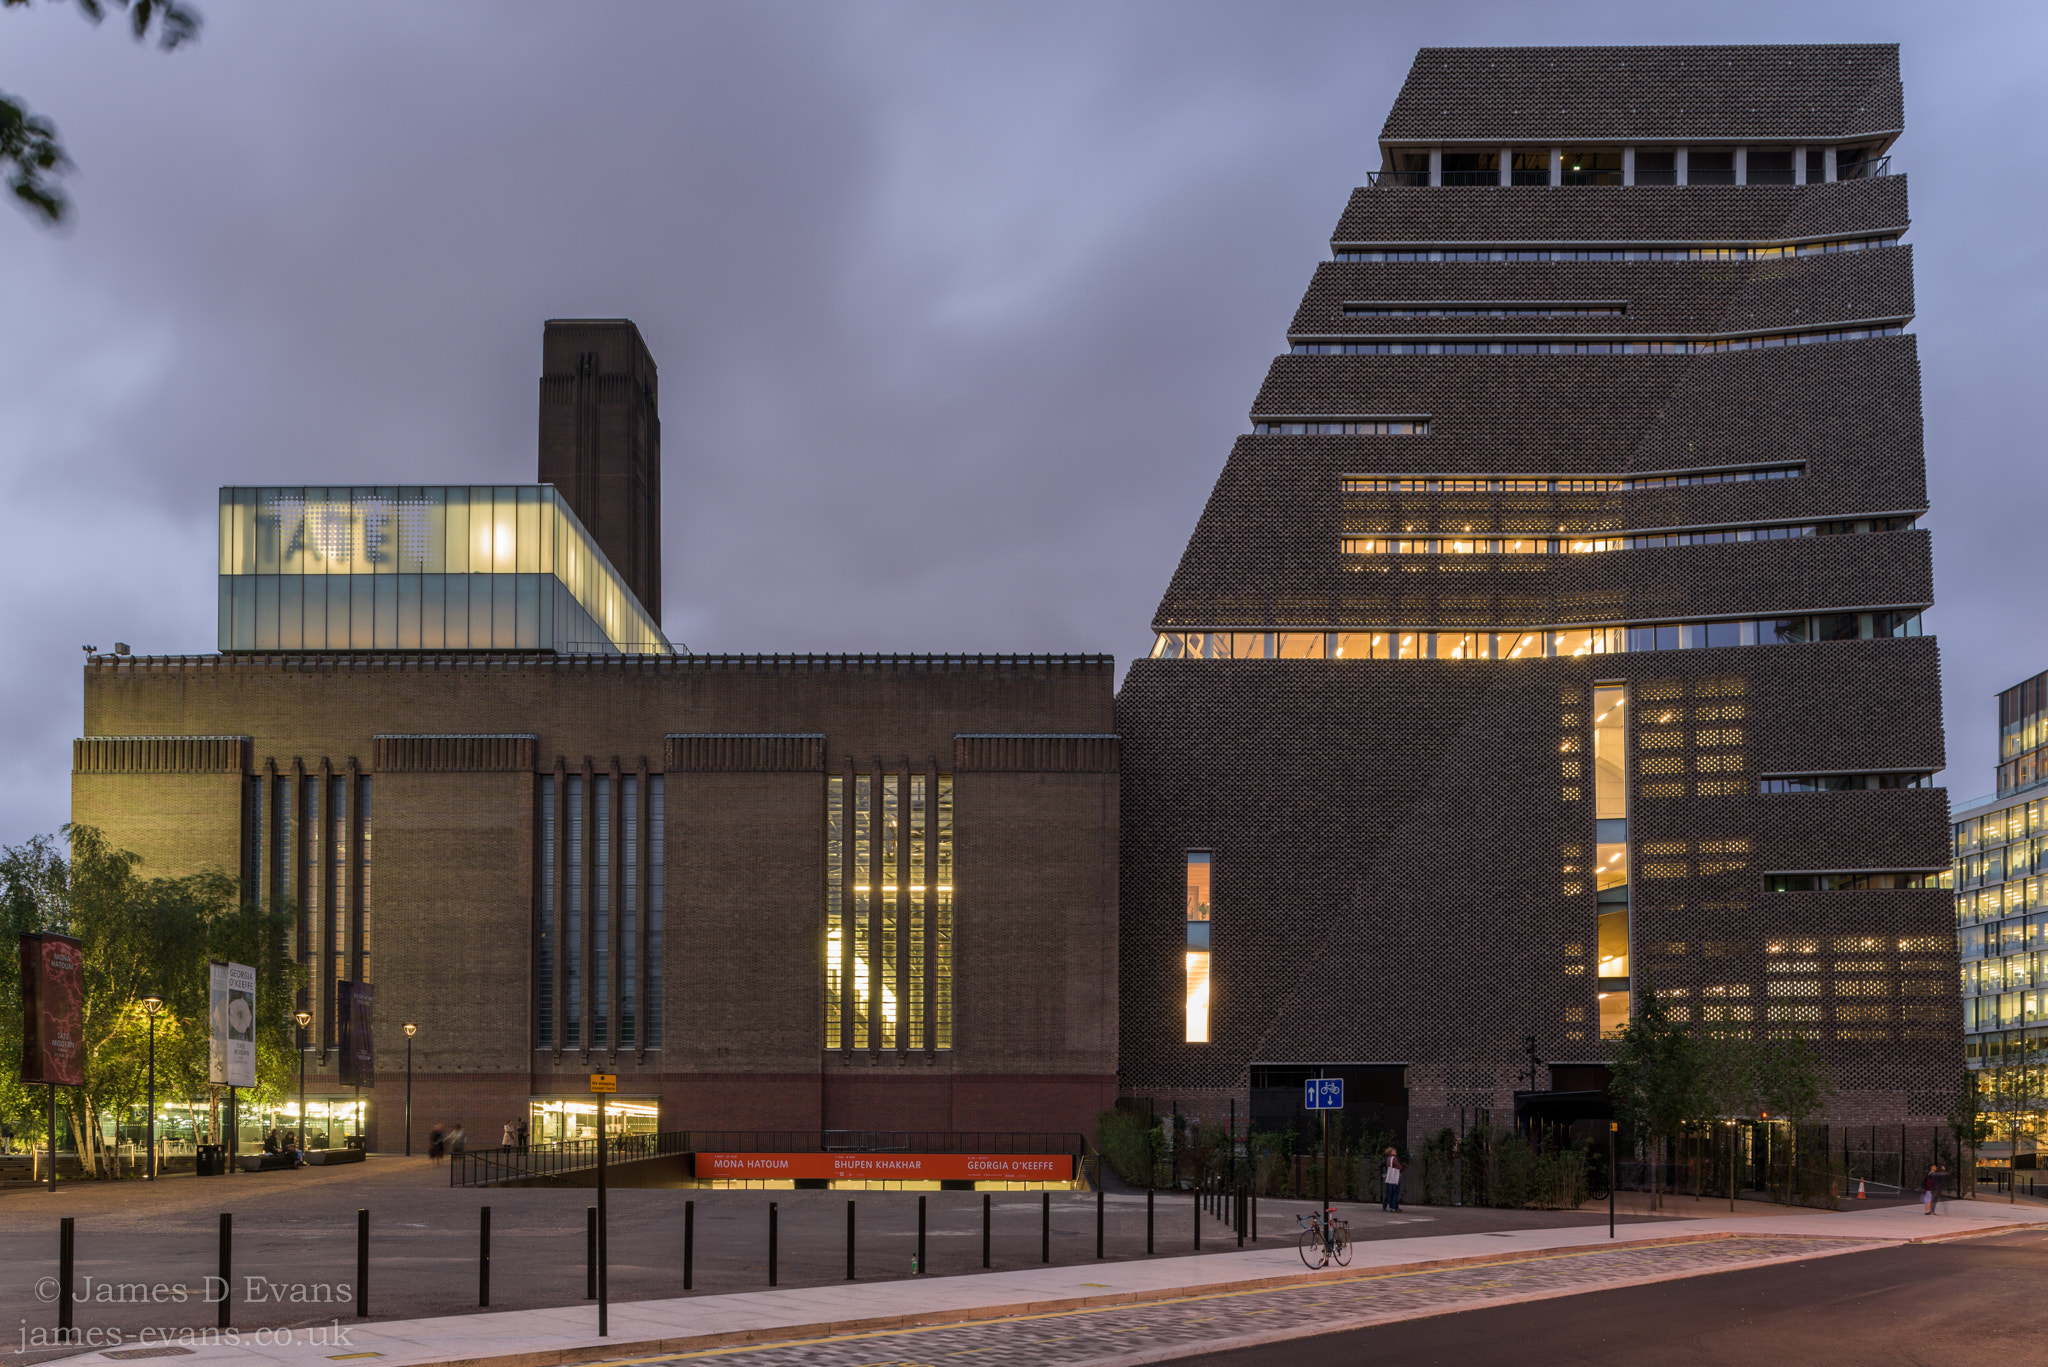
x=1861, y=1195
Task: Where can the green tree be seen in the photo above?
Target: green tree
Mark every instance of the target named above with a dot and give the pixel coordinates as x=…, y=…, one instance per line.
x=1970, y=1124
x=140, y=935
x=1791, y=1085
x=1659, y=1083
x=29, y=150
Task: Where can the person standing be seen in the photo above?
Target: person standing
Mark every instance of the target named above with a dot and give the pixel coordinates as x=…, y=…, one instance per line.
x=1930, y=1187
x=522, y=1135
x=457, y=1139
x=510, y=1136
x=1390, y=1180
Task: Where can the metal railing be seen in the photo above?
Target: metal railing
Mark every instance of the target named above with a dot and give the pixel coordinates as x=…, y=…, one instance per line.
x=482, y=1167
x=1865, y=170
x=1383, y=178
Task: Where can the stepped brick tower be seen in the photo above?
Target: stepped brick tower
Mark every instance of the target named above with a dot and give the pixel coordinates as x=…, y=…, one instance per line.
x=1556, y=632
x=600, y=441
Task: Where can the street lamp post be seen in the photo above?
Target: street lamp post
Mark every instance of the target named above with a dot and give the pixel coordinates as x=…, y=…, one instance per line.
x=410, y=1031
x=304, y=1018
x=151, y=1004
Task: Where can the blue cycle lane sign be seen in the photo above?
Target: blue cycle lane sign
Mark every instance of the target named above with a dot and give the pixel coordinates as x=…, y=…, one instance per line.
x=1323, y=1094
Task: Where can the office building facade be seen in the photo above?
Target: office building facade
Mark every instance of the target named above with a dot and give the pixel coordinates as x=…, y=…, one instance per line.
x=1525, y=651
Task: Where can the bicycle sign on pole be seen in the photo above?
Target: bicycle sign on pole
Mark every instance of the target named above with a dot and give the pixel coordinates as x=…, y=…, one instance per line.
x=1325, y=1094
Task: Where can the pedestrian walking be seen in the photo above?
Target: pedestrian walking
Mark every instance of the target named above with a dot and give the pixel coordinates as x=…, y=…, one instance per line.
x=1390, y=1180
x=456, y=1140
x=1930, y=1187
x=437, y=1143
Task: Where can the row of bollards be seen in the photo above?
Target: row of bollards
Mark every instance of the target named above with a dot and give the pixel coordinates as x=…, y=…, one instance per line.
x=1238, y=1205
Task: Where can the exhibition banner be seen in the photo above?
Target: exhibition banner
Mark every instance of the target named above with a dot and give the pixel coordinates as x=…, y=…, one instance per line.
x=53, y=1010
x=231, y=1025
x=888, y=1167
x=352, y=1012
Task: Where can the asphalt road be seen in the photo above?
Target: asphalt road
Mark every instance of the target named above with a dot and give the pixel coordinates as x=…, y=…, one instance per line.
x=1957, y=1304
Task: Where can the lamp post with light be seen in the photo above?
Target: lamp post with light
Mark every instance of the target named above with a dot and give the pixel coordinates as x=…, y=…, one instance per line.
x=304, y=1018
x=410, y=1031
x=152, y=1003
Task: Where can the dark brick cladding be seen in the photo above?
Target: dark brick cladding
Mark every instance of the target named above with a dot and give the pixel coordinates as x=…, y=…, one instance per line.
x=1395, y=849
x=457, y=745
x=1637, y=215
x=1760, y=92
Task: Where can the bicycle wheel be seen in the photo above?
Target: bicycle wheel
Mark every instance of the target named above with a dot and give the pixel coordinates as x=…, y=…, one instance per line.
x=1312, y=1248
x=1340, y=1245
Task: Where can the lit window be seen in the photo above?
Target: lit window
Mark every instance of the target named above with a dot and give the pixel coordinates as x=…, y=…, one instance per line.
x=1197, y=954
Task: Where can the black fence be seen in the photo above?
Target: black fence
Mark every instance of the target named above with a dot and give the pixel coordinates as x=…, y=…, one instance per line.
x=1819, y=1165
x=484, y=1167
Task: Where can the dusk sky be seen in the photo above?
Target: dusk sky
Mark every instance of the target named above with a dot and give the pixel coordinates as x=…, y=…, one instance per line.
x=958, y=308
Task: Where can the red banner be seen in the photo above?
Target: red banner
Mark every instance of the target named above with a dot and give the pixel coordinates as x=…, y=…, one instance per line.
x=53, y=1010
x=888, y=1167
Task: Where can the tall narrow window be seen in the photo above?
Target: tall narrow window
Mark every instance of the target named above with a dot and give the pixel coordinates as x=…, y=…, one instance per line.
x=334, y=871
x=1610, y=851
x=572, y=928
x=890, y=992
x=311, y=952
x=942, y=913
x=252, y=866
x=656, y=875
x=544, y=951
x=1198, y=947
x=365, y=905
x=863, y=962
x=629, y=907
x=835, y=906
x=285, y=870
x=915, y=860
x=601, y=917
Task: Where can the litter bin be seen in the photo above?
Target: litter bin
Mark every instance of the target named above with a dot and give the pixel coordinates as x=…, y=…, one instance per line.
x=212, y=1160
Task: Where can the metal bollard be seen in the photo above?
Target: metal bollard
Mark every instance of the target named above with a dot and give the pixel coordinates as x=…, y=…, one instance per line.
x=65, y=1235
x=590, y=1253
x=984, y=1229
x=362, y=1264
x=1098, y=1221
x=1149, y=1193
x=1254, y=1217
x=483, y=1256
x=1045, y=1227
x=922, y=1266
x=1198, y=1226
x=227, y=1264
x=689, y=1241
x=849, y=1238
x=771, y=1243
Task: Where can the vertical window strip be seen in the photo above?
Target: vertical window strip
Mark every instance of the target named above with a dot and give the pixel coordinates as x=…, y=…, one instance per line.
x=915, y=859
x=942, y=1007
x=863, y=802
x=629, y=907
x=336, y=873
x=252, y=866
x=835, y=906
x=366, y=907
x=1196, y=961
x=889, y=993
x=572, y=931
x=311, y=942
x=601, y=916
x=656, y=843
x=1611, y=856
x=284, y=872
x=544, y=951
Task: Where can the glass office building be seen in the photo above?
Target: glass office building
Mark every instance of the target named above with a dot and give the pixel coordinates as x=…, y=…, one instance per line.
x=420, y=567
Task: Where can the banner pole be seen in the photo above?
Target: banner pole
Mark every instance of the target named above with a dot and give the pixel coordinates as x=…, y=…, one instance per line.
x=53, y=1137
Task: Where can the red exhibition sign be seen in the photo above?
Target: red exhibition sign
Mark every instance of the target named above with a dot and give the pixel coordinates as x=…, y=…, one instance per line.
x=888, y=1167
x=53, y=1010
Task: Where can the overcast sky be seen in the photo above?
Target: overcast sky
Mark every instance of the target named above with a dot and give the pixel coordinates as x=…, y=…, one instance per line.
x=958, y=307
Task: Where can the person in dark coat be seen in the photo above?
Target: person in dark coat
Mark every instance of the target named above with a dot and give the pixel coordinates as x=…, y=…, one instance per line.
x=437, y=1143
x=1930, y=1187
x=1390, y=1180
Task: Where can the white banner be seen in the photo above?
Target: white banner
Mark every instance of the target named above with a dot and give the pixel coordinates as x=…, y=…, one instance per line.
x=231, y=1021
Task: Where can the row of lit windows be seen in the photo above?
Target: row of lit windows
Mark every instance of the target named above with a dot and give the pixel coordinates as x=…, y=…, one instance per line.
x=2015, y=1047
x=888, y=911
x=2016, y=936
x=1454, y=545
x=1843, y=783
x=1999, y=862
x=1556, y=484
x=1394, y=644
x=1418, y=254
x=2003, y=974
x=1418, y=427
x=2010, y=899
x=1486, y=310
x=1995, y=828
x=1697, y=347
x=1849, y=882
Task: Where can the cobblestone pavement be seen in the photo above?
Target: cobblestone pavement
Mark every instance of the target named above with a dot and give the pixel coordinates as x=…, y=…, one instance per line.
x=1194, y=1324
